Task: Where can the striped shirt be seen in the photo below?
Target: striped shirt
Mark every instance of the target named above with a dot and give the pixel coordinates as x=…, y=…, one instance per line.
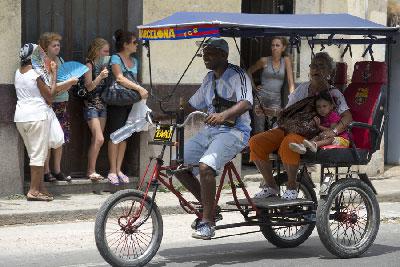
x=233, y=85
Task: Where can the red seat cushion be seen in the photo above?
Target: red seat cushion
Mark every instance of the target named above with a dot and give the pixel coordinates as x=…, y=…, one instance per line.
x=369, y=72
x=362, y=97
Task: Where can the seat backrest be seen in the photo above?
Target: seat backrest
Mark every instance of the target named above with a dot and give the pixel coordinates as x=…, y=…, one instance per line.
x=365, y=99
x=340, y=80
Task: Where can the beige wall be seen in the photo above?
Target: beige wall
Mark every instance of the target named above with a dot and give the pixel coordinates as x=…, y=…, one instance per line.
x=377, y=12
x=10, y=38
x=170, y=58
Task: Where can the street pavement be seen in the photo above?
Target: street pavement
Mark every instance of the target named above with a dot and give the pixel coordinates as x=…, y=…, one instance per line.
x=70, y=244
x=76, y=207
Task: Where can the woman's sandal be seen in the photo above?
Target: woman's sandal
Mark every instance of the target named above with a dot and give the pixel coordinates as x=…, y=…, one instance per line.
x=123, y=178
x=95, y=177
x=113, y=178
x=46, y=193
x=38, y=197
x=47, y=177
x=61, y=177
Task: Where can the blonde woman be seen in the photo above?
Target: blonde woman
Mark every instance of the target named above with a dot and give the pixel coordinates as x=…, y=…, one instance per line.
x=95, y=110
x=274, y=69
x=50, y=43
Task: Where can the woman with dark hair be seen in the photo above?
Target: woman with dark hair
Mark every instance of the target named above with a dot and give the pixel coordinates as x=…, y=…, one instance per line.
x=274, y=69
x=125, y=45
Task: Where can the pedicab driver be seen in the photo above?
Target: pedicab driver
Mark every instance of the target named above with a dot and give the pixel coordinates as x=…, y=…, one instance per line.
x=226, y=95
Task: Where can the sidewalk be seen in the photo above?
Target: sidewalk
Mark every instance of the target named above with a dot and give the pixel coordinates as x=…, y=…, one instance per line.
x=84, y=206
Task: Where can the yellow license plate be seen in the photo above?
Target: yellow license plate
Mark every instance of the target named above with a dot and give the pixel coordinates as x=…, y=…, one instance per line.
x=163, y=133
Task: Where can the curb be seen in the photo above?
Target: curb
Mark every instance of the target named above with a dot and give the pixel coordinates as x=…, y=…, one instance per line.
x=70, y=216
x=90, y=214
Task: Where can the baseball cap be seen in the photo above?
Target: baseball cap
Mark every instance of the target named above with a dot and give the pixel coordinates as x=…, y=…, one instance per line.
x=215, y=42
x=26, y=51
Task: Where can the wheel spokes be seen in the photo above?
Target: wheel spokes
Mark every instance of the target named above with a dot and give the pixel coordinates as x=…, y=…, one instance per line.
x=123, y=238
x=349, y=218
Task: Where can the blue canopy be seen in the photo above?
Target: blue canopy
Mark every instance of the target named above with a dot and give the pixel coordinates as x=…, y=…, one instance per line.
x=203, y=24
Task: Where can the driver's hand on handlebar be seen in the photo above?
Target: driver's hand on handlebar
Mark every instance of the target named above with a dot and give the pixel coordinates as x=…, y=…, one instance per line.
x=215, y=119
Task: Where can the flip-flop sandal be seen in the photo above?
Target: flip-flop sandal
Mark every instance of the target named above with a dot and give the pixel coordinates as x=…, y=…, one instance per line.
x=47, y=194
x=61, y=177
x=95, y=177
x=38, y=197
x=123, y=178
x=47, y=177
x=113, y=178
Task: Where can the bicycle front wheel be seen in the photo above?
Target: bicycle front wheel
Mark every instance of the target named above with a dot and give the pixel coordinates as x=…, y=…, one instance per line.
x=123, y=236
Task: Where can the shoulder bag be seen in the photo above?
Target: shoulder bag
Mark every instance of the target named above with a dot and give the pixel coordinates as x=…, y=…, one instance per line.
x=117, y=95
x=299, y=118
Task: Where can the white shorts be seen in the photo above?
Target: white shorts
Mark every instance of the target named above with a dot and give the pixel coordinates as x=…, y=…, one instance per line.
x=213, y=148
x=36, y=139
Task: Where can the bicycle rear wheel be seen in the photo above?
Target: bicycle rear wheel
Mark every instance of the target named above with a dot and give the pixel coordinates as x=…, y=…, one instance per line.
x=293, y=235
x=348, y=218
x=122, y=243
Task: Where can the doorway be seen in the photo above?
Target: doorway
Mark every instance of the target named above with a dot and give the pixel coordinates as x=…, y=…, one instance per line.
x=79, y=22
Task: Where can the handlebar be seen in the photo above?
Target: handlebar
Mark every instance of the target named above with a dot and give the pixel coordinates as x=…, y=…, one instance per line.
x=191, y=115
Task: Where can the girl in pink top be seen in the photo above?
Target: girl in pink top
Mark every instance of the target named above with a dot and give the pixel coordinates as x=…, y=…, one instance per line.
x=328, y=119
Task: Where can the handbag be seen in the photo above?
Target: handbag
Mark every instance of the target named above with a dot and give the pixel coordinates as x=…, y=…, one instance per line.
x=79, y=90
x=117, y=95
x=299, y=118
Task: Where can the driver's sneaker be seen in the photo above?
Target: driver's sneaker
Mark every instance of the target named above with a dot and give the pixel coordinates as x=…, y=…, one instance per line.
x=204, y=231
x=290, y=194
x=266, y=192
x=218, y=217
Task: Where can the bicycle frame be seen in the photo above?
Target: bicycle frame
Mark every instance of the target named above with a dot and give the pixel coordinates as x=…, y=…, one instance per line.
x=164, y=175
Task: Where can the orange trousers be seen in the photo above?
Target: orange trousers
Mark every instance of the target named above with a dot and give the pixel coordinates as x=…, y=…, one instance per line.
x=262, y=144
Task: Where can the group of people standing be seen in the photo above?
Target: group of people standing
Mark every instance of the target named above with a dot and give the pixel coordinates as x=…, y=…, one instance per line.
x=43, y=106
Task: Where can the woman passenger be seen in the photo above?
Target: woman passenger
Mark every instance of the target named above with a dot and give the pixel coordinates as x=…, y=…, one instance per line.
x=262, y=144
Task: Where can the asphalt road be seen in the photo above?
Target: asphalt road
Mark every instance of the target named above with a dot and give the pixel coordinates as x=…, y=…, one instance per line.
x=72, y=244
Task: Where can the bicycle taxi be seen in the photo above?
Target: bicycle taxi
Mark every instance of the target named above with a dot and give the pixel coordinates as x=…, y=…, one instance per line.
x=129, y=225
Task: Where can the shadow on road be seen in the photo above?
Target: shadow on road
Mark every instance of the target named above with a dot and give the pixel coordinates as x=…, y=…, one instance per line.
x=247, y=252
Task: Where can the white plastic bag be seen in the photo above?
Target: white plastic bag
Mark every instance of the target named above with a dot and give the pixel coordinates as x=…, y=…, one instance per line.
x=56, y=134
x=138, y=112
x=136, y=122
